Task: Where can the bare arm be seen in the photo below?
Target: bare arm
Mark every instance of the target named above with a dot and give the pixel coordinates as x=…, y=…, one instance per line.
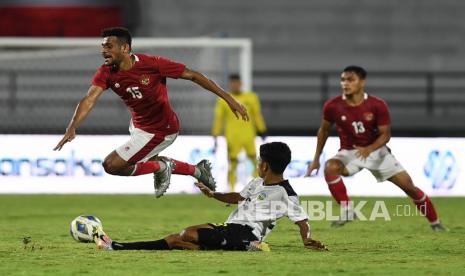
x=232, y=198
x=305, y=235
x=323, y=133
x=208, y=84
x=304, y=230
x=82, y=110
x=322, y=136
x=383, y=139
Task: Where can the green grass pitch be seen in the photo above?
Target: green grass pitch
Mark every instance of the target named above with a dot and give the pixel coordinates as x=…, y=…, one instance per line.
x=404, y=245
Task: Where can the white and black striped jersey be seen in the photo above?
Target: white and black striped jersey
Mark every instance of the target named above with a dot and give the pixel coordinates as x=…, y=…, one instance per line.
x=265, y=204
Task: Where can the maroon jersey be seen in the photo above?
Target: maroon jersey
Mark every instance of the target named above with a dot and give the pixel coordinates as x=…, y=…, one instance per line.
x=143, y=90
x=357, y=125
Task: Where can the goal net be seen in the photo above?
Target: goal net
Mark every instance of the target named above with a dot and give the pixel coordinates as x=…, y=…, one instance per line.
x=42, y=79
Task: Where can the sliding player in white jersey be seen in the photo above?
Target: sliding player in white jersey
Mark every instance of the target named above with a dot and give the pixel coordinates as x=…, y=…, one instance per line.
x=261, y=203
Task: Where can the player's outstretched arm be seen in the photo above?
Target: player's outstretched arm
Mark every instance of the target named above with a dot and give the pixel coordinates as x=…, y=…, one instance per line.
x=82, y=110
x=307, y=241
x=208, y=84
x=322, y=136
x=232, y=198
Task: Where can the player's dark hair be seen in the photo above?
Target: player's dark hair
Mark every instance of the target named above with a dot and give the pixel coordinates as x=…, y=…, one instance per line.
x=359, y=71
x=234, y=77
x=277, y=155
x=122, y=34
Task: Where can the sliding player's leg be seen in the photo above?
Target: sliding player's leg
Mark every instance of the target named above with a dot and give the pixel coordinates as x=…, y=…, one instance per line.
x=195, y=237
x=198, y=237
x=173, y=241
x=223, y=237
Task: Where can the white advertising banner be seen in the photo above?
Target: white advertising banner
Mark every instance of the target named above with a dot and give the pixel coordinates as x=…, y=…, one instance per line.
x=29, y=165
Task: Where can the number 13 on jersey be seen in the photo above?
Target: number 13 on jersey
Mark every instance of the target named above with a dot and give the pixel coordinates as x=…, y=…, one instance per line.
x=358, y=127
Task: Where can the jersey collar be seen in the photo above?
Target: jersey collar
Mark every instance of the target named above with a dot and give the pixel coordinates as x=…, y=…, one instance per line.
x=285, y=181
x=365, y=96
x=136, y=58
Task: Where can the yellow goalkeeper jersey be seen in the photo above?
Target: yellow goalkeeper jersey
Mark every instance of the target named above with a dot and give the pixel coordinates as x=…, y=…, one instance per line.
x=235, y=128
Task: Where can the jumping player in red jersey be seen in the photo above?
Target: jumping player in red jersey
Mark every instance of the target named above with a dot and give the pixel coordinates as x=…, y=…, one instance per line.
x=140, y=81
x=363, y=126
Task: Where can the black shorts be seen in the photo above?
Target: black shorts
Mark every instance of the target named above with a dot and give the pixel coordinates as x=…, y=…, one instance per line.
x=226, y=237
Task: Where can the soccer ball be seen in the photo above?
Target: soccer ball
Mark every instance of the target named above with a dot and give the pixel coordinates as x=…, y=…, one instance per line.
x=82, y=228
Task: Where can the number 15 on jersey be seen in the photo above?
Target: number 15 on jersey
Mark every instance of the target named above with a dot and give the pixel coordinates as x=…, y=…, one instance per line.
x=135, y=92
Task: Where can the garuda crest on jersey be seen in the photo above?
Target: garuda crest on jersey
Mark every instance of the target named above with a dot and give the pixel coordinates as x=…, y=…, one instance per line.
x=262, y=196
x=144, y=79
x=368, y=116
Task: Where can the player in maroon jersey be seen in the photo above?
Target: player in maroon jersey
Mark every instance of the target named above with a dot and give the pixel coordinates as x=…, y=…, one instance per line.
x=363, y=126
x=140, y=81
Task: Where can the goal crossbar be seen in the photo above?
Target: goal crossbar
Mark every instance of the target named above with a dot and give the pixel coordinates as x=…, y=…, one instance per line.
x=244, y=44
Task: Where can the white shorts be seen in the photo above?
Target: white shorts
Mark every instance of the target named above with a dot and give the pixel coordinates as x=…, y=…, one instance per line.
x=143, y=145
x=381, y=163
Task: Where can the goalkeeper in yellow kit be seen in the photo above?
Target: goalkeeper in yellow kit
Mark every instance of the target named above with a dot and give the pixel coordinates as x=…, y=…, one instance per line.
x=239, y=134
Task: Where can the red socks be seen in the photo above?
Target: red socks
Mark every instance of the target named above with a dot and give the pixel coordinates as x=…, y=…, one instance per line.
x=154, y=166
x=183, y=168
x=425, y=206
x=146, y=168
x=337, y=188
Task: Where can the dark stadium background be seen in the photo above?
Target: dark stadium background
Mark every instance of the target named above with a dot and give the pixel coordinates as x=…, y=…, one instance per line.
x=413, y=51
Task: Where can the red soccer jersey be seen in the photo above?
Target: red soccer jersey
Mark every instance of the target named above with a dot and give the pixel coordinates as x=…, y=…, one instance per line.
x=143, y=90
x=357, y=125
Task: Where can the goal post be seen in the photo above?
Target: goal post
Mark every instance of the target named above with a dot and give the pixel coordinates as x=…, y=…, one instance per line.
x=243, y=44
x=42, y=76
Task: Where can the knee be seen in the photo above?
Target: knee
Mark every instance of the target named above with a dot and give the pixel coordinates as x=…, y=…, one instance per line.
x=411, y=190
x=232, y=159
x=189, y=235
x=110, y=166
x=333, y=167
x=173, y=240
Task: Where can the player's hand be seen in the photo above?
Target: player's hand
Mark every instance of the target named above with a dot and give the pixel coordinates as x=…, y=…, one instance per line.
x=362, y=152
x=315, y=245
x=238, y=109
x=70, y=134
x=315, y=165
x=204, y=189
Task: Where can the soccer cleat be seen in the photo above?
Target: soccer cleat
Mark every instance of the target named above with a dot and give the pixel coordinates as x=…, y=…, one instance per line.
x=102, y=240
x=258, y=246
x=206, y=177
x=439, y=227
x=347, y=217
x=339, y=223
x=162, y=179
